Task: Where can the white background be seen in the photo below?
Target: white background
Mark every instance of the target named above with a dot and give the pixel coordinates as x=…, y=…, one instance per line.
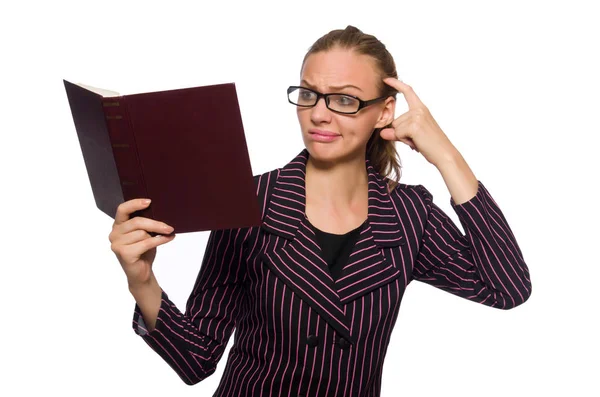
x=514, y=85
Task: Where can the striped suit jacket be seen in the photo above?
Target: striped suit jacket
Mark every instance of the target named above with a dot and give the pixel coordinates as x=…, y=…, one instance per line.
x=299, y=332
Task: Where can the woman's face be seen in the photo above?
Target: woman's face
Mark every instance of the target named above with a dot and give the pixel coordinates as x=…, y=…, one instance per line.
x=328, y=72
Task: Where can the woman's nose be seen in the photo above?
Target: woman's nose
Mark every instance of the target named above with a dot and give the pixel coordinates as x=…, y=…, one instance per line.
x=320, y=112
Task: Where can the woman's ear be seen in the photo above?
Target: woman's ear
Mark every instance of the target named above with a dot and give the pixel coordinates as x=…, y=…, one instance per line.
x=387, y=113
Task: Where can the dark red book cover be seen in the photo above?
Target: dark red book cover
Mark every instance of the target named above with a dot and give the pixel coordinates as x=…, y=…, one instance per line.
x=185, y=149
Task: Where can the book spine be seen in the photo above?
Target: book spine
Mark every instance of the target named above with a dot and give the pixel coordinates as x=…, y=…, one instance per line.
x=122, y=138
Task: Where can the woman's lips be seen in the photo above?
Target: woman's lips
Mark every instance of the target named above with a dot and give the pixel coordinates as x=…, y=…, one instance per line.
x=323, y=136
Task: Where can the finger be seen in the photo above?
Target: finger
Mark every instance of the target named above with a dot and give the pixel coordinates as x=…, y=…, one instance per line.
x=151, y=242
x=149, y=225
x=124, y=210
x=388, y=134
x=404, y=117
x=409, y=94
x=397, y=129
x=134, y=236
x=139, y=223
x=132, y=252
x=409, y=143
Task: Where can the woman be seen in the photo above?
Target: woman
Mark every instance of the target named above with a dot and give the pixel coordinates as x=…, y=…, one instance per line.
x=314, y=292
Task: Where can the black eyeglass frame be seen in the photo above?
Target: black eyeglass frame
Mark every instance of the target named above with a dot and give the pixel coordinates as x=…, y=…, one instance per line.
x=361, y=104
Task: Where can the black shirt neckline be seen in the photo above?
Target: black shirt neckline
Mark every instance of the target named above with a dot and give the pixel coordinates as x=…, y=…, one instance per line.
x=335, y=235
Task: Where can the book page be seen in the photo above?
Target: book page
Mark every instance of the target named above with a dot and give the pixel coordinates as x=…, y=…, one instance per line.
x=100, y=91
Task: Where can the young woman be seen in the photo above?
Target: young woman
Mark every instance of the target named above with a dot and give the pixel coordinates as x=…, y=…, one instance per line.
x=314, y=292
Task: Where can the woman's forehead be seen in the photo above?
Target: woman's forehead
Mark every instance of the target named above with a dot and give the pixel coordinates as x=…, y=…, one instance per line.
x=336, y=68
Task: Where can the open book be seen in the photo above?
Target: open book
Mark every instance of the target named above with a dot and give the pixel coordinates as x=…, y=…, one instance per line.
x=184, y=148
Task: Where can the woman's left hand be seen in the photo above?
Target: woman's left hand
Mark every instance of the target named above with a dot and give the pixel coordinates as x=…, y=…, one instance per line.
x=417, y=128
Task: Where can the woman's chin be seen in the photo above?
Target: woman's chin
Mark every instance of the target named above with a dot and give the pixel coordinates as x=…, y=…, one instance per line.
x=328, y=154
x=323, y=151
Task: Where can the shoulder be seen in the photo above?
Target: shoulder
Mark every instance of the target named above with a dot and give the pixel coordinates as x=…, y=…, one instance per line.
x=264, y=184
x=416, y=195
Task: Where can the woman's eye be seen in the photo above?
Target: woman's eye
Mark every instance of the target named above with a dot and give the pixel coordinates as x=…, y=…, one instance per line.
x=345, y=101
x=306, y=94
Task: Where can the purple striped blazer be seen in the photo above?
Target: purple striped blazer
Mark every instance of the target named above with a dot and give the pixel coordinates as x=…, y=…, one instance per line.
x=299, y=332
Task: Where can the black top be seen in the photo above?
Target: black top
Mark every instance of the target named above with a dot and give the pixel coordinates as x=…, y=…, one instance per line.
x=336, y=248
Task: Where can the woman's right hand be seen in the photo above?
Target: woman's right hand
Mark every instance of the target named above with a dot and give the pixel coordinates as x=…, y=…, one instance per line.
x=132, y=243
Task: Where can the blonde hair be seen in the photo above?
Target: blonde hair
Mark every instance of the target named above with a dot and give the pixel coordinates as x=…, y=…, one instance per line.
x=381, y=153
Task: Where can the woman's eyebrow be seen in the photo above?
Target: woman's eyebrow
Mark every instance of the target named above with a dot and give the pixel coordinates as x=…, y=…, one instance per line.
x=334, y=87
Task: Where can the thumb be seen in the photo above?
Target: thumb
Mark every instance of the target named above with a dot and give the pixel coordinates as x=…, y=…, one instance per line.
x=388, y=133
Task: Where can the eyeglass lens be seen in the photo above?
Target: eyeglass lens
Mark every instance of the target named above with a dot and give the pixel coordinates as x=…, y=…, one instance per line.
x=339, y=103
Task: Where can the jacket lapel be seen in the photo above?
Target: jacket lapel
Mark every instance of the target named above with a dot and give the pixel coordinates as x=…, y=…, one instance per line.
x=294, y=255
x=367, y=267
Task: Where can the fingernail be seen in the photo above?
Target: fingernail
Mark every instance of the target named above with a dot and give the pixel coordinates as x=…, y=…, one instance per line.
x=147, y=201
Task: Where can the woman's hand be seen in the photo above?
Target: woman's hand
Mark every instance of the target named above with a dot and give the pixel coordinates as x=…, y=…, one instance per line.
x=132, y=243
x=418, y=129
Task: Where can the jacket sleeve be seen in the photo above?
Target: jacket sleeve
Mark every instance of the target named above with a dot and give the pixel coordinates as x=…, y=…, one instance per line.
x=193, y=343
x=485, y=265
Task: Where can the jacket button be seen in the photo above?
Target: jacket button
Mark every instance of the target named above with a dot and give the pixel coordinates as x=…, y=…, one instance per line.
x=312, y=340
x=343, y=343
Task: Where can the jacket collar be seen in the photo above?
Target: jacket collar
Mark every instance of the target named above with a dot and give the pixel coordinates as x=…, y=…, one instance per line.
x=287, y=207
x=293, y=253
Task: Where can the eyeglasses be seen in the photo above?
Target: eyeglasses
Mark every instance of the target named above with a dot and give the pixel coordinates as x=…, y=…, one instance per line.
x=340, y=103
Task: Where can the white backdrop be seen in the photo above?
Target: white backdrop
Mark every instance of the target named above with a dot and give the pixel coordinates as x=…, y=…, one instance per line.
x=514, y=85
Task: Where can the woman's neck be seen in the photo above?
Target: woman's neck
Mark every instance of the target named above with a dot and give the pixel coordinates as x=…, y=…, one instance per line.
x=341, y=186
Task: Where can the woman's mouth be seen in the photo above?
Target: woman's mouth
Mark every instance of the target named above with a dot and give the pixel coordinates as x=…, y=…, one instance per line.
x=322, y=135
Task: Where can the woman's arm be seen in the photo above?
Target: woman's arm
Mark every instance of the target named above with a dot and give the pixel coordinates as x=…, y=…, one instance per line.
x=485, y=265
x=148, y=299
x=193, y=343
